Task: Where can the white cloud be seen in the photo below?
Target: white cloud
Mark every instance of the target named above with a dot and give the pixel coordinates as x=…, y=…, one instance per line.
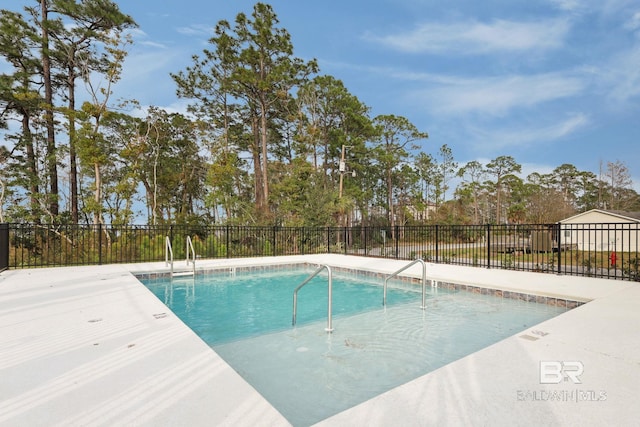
x=140, y=65
x=633, y=23
x=569, y=5
x=196, y=30
x=500, y=139
x=499, y=95
x=179, y=106
x=479, y=38
x=137, y=33
x=141, y=38
x=569, y=126
x=152, y=44
x=622, y=74
x=600, y=7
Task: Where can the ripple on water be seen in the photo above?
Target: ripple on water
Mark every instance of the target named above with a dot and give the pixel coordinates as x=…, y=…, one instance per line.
x=309, y=374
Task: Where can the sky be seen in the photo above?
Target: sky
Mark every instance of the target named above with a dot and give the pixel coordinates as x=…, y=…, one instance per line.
x=546, y=82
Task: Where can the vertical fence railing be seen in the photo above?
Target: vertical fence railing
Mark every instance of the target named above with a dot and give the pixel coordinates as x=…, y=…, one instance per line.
x=600, y=250
x=4, y=246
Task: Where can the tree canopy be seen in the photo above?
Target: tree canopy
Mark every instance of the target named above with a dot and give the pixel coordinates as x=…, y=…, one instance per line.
x=266, y=139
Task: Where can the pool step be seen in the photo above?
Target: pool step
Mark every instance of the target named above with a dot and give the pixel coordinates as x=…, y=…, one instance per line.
x=183, y=273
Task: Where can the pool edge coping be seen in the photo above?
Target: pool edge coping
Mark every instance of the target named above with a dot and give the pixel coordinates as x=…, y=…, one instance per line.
x=540, y=298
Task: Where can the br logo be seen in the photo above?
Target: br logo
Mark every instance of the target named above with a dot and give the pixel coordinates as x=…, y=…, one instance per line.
x=555, y=372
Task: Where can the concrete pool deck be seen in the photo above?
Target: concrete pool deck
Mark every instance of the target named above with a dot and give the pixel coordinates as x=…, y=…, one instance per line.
x=92, y=346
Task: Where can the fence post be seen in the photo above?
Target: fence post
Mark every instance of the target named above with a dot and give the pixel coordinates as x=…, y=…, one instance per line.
x=559, y=233
x=227, y=239
x=344, y=239
x=366, y=236
x=4, y=246
x=396, y=234
x=437, y=239
x=273, y=237
x=99, y=243
x=488, y=239
x=328, y=240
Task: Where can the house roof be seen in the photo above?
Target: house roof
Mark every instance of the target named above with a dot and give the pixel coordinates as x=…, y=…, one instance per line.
x=630, y=216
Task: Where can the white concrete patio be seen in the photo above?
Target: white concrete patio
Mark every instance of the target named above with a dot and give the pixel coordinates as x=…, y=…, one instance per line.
x=92, y=346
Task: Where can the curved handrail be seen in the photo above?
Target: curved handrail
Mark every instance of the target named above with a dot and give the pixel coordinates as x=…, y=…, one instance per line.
x=424, y=281
x=329, y=327
x=168, y=254
x=191, y=251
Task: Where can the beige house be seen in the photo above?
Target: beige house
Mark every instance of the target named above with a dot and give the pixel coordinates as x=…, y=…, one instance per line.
x=421, y=214
x=600, y=230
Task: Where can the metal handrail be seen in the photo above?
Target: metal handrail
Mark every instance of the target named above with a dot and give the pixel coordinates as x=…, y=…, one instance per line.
x=329, y=327
x=191, y=251
x=424, y=281
x=168, y=254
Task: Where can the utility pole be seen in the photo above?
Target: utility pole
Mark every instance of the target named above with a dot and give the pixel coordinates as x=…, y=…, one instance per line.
x=342, y=168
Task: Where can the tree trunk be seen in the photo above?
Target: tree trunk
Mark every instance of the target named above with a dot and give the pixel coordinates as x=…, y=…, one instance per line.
x=52, y=164
x=32, y=168
x=97, y=217
x=73, y=168
x=257, y=166
x=264, y=152
x=392, y=221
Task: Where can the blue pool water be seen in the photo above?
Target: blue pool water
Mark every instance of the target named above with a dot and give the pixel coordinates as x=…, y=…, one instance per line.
x=308, y=374
x=225, y=308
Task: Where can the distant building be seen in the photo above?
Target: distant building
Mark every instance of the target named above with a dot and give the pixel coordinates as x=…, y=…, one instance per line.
x=423, y=213
x=602, y=231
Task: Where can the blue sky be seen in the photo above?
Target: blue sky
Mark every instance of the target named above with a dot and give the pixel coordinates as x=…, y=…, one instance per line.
x=544, y=81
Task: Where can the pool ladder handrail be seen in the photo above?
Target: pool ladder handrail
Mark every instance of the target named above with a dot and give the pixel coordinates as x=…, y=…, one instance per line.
x=329, y=327
x=168, y=254
x=191, y=255
x=424, y=281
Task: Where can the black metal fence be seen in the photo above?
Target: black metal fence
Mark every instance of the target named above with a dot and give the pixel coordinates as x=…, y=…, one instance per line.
x=4, y=247
x=598, y=250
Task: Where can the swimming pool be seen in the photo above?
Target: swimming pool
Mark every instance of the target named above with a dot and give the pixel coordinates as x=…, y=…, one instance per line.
x=309, y=375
